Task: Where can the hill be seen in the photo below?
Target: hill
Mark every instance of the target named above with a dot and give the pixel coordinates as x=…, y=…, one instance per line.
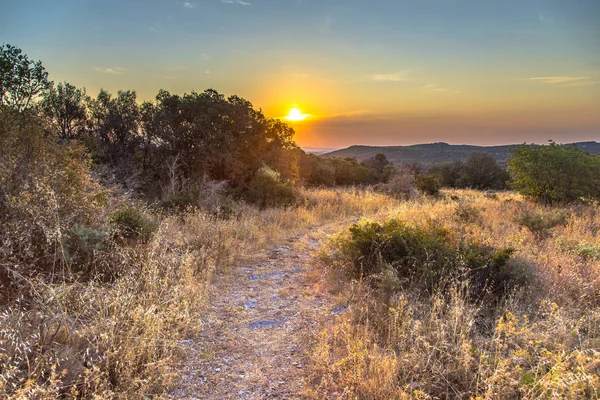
x=438, y=152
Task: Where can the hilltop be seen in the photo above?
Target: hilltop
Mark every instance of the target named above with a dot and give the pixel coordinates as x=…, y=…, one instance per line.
x=438, y=152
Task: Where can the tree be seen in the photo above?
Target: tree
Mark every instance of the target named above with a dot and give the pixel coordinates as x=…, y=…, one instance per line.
x=378, y=164
x=21, y=79
x=555, y=173
x=481, y=171
x=65, y=105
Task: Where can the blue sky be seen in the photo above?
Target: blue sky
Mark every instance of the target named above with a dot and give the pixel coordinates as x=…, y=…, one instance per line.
x=368, y=72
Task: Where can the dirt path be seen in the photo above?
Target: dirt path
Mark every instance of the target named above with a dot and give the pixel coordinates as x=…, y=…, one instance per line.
x=254, y=340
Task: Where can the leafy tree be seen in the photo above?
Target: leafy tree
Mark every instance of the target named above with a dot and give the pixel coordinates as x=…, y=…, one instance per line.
x=555, y=173
x=348, y=171
x=481, y=171
x=449, y=173
x=21, y=79
x=378, y=164
x=65, y=105
x=224, y=138
x=115, y=120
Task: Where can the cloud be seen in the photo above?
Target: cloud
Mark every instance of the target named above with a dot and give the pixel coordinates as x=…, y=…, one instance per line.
x=187, y=4
x=543, y=18
x=564, y=80
x=393, y=77
x=240, y=2
x=111, y=71
x=434, y=87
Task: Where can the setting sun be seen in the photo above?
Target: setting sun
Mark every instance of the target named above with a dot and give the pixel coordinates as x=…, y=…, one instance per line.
x=296, y=115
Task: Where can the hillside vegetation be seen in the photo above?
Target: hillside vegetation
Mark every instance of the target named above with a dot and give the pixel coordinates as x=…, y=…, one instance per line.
x=466, y=296
x=436, y=153
x=114, y=216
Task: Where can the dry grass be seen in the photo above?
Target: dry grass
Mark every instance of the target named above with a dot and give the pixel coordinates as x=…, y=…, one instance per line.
x=540, y=342
x=123, y=338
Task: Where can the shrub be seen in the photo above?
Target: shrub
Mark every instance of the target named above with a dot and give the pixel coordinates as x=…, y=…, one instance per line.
x=467, y=213
x=428, y=184
x=267, y=190
x=401, y=184
x=82, y=242
x=555, y=173
x=540, y=222
x=131, y=223
x=426, y=256
x=481, y=171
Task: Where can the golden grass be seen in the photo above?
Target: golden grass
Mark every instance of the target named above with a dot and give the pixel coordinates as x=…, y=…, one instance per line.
x=540, y=342
x=123, y=339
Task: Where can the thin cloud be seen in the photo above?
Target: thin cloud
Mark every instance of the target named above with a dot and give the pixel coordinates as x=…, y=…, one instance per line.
x=110, y=71
x=434, y=87
x=175, y=68
x=240, y=2
x=543, y=18
x=393, y=77
x=187, y=4
x=558, y=80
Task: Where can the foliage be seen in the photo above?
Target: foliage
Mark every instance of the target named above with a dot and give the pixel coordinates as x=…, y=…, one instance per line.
x=131, y=223
x=540, y=222
x=65, y=106
x=428, y=184
x=425, y=256
x=380, y=166
x=403, y=341
x=46, y=188
x=480, y=171
x=21, y=79
x=400, y=184
x=267, y=190
x=555, y=173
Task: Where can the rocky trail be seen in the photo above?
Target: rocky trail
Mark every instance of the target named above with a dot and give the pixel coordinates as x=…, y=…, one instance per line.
x=254, y=340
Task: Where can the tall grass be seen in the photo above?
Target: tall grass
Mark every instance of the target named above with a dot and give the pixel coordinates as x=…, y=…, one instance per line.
x=537, y=342
x=122, y=337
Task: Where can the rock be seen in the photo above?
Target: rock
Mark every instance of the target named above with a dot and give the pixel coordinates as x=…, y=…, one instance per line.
x=264, y=324
x=250, y=304
x=253, y=277
x=274, y=298
x=339, y=309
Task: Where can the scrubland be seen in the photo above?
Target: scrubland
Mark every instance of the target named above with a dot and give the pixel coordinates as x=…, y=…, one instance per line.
x=121, y=335
x=536, y=334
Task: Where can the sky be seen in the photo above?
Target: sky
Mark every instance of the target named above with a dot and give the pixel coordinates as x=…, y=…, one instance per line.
x=370, y=72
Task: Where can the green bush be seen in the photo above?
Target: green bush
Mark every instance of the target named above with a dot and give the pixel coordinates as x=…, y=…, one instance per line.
x=267, y=190
x=588, y=251
x=555, y=173
x=131, y=223
x=426, y=256
x=428, y=184
x=540, y=222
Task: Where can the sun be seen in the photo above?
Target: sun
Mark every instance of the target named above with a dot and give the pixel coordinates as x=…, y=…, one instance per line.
x=296, y=115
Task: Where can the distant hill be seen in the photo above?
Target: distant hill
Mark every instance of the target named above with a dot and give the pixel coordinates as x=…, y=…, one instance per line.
x=318, y=150
x=435, y=153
